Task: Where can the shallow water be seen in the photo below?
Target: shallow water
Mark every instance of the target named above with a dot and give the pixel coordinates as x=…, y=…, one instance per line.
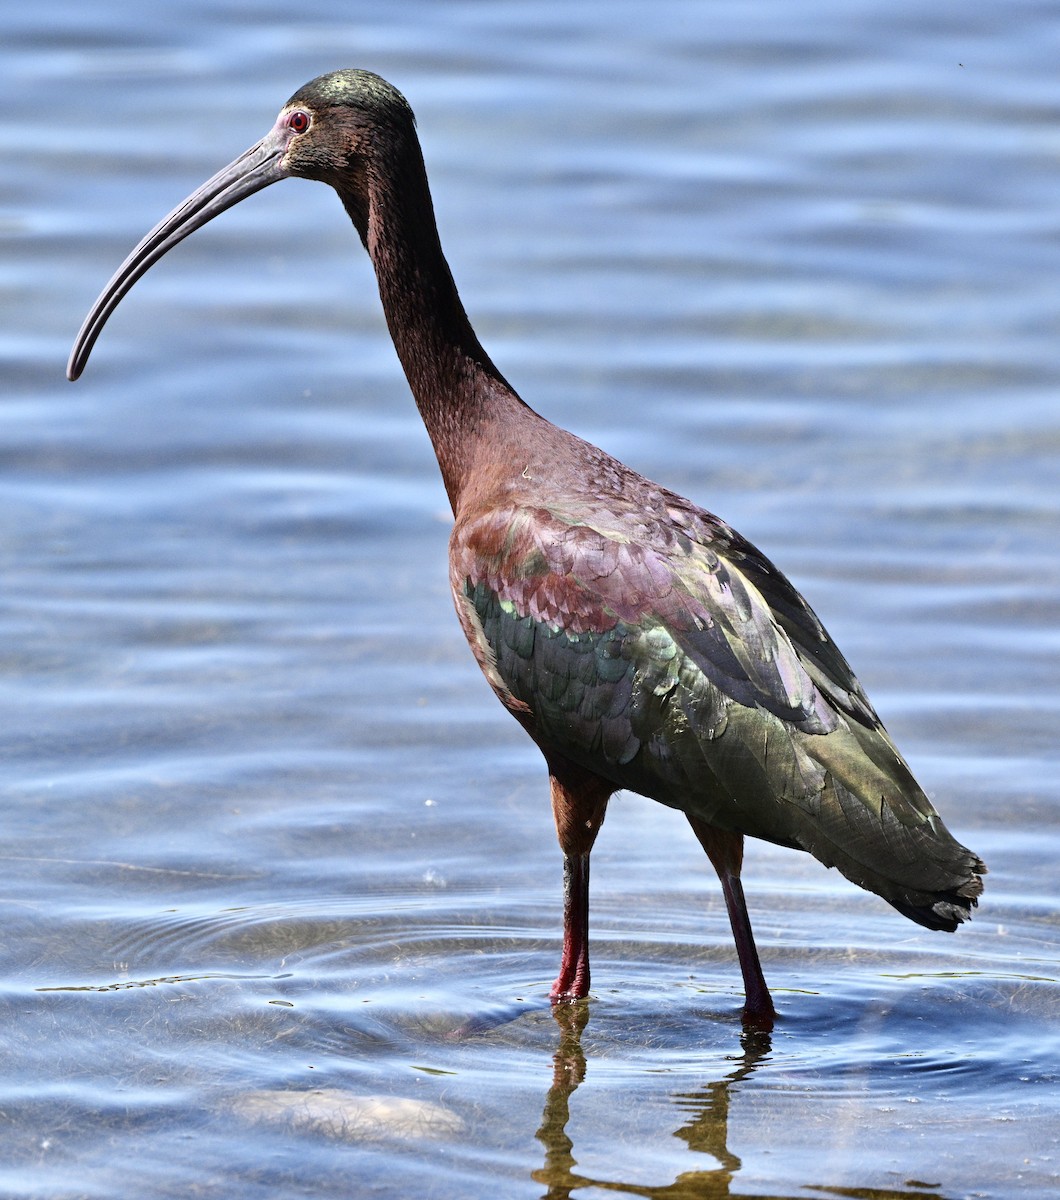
x=281, y=894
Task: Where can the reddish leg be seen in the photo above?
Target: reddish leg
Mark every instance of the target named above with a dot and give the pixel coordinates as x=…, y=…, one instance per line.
x=725, y=851
x=579, y=801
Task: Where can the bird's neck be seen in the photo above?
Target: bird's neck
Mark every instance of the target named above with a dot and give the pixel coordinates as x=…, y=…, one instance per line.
x=460, y=393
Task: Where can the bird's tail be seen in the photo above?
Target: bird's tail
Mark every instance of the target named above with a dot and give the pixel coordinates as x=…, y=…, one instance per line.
x=874, y=822
x=948, y=909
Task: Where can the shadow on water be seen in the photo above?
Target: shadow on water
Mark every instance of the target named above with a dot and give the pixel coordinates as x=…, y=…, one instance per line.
x=706, y=1130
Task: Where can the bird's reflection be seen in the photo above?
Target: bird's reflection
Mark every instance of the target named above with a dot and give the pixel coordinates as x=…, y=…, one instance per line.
x=706, y=1131
x=568, y=1070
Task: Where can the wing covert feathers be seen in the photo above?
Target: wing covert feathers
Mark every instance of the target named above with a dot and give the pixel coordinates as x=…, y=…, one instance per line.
x=669, y=656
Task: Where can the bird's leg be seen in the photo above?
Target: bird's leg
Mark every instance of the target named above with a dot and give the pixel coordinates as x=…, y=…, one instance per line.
x=725, y=851
x=579, y=801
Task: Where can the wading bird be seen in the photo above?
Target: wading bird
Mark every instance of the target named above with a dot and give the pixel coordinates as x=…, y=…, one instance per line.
x=640, y=641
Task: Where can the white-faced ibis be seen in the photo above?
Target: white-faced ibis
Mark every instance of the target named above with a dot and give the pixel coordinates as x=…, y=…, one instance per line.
x=640, y=641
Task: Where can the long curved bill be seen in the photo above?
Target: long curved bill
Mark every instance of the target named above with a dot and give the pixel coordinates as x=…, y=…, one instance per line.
x=253, y=170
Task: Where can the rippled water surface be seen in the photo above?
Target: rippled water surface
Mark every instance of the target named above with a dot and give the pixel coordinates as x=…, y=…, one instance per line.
x=280, y=889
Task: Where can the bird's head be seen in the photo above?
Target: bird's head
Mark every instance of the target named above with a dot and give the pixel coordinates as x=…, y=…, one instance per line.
x=336, y=124
x=331, y=130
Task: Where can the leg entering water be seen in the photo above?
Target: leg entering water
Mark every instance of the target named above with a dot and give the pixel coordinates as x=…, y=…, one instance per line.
x=579, y=802
x=725, y=851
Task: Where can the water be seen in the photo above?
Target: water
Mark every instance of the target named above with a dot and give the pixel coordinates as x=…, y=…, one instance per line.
x=281, y=894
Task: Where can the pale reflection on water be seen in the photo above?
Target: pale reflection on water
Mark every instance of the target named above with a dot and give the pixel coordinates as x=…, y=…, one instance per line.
x=281, y=893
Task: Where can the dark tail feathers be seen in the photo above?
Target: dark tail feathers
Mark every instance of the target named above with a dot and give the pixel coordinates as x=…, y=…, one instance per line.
x=947, y=909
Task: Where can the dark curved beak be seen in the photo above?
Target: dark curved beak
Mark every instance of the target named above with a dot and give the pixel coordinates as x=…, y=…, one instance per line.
x=253, y=170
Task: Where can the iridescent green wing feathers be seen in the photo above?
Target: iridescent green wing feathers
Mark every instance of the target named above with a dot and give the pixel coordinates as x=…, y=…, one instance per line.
x=668, y=655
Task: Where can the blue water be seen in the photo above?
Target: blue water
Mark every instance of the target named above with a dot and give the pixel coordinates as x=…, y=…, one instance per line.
x=280, y=889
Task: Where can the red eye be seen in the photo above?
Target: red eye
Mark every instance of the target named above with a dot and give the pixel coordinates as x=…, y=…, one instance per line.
x=298, y=121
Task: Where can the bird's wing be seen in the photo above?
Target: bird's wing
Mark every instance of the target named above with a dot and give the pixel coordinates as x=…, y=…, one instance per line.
x=666, y=593
x=643, y=648
x=669, y=656
x=790, y=619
